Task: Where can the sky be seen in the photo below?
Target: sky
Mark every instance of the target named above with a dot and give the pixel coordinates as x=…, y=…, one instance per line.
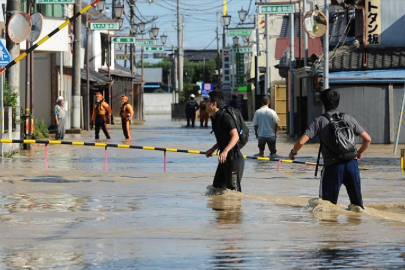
x=200, y=17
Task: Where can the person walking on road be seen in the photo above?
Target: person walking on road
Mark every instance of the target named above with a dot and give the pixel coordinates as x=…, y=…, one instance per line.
x=126, y=112
x=191, y=108
x=203, y=112
x=265, y=121
x=101, y=115
x=231, y=163
x=60, y=118
x=337, y=132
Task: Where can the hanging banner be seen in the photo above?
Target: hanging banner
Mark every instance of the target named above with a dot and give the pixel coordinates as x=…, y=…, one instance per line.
x=373, y=22
x=240, y=69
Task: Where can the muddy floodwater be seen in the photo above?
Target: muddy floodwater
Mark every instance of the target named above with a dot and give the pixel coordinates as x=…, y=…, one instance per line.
x=135, y=216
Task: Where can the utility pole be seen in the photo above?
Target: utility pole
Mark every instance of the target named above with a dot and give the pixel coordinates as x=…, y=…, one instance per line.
x=218, y=56
x=180, y=47
x=292, y=61
x=326, y=50
x=13, y=74
x=76, y=68
x=132, y=34
x=27, y=133
x=268, y=75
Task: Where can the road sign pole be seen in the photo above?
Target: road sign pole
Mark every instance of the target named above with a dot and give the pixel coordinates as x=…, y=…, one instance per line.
x=1, y=113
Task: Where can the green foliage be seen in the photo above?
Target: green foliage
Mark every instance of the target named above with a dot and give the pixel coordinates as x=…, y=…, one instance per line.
x=9, y=97
x=40, y=131
x=189, y=89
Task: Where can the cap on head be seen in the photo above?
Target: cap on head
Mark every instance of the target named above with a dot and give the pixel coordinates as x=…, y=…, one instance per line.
x=59, y=99
x=192, y=96
x=124, y=98
x=99, y=95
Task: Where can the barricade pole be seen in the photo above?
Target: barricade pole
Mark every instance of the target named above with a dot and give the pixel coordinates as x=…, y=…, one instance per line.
x=164, y=167
x=46, y=157
x=106, y=158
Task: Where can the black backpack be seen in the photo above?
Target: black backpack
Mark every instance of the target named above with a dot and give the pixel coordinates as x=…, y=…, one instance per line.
x=243, y=130
x=342, y=140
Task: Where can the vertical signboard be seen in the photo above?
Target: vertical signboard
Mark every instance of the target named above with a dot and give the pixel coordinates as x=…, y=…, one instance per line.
x=226, y=72
x=373, y=22
x=240, y=69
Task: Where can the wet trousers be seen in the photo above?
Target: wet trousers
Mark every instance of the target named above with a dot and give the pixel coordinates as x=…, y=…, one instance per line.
x=229, y=174
x=204, y=118
x=125, y=124
x=190, y=116
x=271, y=143
x=100, y=123
x=336, y=174
x=60, y=131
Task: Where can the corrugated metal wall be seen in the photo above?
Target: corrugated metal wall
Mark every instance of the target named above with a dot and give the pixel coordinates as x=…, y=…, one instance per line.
x=369, y=106
x=392, y=22
x=398, y=93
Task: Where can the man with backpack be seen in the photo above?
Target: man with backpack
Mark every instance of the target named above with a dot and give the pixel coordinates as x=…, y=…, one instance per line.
x=337, y=132
x=231, y=134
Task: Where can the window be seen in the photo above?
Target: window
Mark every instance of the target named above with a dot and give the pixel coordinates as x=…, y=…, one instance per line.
x=47, y=10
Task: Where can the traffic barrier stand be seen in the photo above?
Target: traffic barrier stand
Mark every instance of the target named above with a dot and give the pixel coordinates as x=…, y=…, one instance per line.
x=164, y=166
x=46, y=157
x=105, y=159
x=279, y=165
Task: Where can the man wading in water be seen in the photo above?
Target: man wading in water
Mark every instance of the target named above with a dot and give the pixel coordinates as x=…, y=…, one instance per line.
x=337, y=132
x=231, y=163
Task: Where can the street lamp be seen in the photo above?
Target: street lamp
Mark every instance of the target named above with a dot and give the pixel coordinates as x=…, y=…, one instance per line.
x=100, y=5
x=226, y=20
x=120, y=21
x=247, y=39
x=120, y=46
x=235, y=41
x=134, y=27
x=242, y=14
x=150, y=1
x=141, y=26
x=163, y=39
x=151, y=36
x=155, y=31
x=118, y=10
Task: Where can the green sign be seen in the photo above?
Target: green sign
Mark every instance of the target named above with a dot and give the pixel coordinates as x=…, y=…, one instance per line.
x=244, y=50
x=276, y=9
x=240, y=32
x=104, y=26
x=154, y=49
x=240, y=69
x=55, y=1
x=123, y=40
x=145, y=42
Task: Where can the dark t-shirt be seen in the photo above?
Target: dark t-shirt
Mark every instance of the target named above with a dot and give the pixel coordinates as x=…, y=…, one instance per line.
x=222, y=124
x=319, y=128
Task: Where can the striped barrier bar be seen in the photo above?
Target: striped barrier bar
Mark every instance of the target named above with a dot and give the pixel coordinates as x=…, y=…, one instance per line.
x=56, y=30
x=152, y=148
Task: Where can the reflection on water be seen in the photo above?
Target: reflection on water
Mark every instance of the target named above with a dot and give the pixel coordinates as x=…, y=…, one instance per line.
x=137, y=217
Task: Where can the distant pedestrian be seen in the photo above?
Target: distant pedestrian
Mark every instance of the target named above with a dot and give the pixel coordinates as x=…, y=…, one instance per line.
x=203, y=112
x=265, y=121
x=234, y=102
x=337, y=132
x=101, y=115
x=60, y=118
x=191, y=108
x=227, y=129
x=127, y=112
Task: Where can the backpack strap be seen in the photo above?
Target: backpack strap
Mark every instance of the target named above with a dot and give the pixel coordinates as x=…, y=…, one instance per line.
x=319, y=157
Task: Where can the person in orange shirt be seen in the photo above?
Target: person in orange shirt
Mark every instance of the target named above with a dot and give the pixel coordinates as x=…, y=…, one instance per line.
x=203, y=112
x=101, y=113
x=127, y=112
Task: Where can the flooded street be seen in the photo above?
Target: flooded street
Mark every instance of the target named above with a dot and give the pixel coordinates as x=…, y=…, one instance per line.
x=76, y=216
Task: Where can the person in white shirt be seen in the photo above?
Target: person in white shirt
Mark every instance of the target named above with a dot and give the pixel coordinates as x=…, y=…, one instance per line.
x=60, y=118
x=265, y=121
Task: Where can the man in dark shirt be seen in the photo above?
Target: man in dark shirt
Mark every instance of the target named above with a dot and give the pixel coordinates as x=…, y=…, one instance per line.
x=231, y=163
x=336, y=171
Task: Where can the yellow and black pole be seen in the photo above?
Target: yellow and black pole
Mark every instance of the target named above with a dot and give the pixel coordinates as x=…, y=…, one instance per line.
x=403, y=159
x=401, y=113
x=39, y=43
